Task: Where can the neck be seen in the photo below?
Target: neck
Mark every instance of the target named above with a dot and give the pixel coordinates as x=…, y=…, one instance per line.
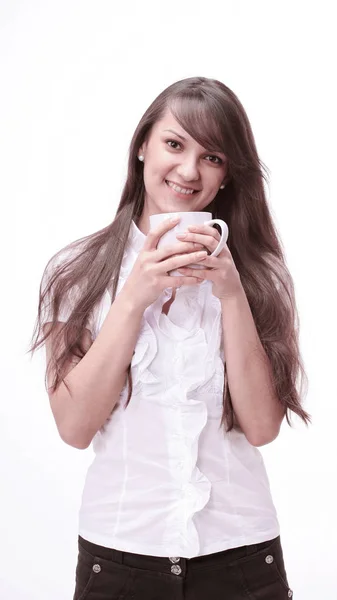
x=143, y=222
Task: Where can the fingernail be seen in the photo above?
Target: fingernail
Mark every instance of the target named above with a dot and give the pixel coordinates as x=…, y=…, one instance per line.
x=181, y=235
x=174, y=219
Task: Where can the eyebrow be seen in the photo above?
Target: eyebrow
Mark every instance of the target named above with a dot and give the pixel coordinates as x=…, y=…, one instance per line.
x=177, y=134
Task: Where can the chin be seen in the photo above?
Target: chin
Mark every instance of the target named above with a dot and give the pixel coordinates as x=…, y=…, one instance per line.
x=172, y=208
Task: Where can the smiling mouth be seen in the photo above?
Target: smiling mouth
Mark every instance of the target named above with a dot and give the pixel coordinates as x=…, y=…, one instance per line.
x=181, y=190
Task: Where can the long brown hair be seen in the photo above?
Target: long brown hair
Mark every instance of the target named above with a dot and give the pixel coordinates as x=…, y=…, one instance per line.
x=212, y=114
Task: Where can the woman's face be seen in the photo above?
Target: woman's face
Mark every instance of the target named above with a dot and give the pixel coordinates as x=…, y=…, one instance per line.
x=179, y=174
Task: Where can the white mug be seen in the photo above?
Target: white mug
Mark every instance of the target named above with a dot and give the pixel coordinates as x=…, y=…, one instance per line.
x=187, y=219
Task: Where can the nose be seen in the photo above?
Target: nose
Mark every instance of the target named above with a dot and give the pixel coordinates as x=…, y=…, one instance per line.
x=188, y=169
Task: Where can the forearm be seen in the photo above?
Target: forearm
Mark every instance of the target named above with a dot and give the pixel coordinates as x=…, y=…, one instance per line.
x=96, y=382
x=255, y=404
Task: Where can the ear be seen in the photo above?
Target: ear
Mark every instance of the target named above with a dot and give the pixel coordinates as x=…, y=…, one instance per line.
x=226, y=180
x=142, y=149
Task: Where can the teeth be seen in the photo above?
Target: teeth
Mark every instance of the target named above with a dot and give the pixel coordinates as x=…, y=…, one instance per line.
x=179, y=189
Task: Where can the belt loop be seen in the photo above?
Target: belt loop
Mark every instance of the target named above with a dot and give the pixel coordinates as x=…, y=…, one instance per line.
x=251, y=549
x=118, y=556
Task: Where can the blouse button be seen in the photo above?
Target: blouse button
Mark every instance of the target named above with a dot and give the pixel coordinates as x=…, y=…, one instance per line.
x=96, y=569
x=269, y=559
x=176, y=569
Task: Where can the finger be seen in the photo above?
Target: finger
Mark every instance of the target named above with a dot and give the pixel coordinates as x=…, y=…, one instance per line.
x=177, y=248
x=155, y=234
x=176, y=281
x=217, y=262
x=181, y=260
x=210, y=242
x=189, y=272
x=205, y=230
x=209, y=232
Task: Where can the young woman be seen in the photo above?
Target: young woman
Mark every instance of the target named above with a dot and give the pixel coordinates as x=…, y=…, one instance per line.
x=177, y=379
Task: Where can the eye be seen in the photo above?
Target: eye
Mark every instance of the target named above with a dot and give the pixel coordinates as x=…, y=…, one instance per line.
x=176, y=146
x=217, y=159
x=172, y=142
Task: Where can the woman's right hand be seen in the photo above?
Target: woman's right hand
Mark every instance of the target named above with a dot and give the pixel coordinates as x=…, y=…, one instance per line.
x=149, y=276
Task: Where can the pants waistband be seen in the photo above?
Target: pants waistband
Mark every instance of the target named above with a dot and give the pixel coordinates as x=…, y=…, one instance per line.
x=172, y=564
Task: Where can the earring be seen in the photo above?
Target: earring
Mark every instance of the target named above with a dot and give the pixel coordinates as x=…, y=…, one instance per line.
x=222, y=187
x=141, y=158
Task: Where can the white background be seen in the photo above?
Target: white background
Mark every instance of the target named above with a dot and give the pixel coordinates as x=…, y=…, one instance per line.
x=75, y=77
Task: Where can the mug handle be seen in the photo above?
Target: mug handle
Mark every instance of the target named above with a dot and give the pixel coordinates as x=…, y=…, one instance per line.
x=220, y=246
x=224, y=234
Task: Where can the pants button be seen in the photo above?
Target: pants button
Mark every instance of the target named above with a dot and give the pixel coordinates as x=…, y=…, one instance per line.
x=174, y=559
x=176, y=569
x=96, y=568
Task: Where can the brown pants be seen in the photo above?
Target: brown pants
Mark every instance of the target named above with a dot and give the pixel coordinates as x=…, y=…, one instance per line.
x=254, y=572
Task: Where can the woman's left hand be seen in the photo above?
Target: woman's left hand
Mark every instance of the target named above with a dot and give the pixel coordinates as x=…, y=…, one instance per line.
x=220, y=269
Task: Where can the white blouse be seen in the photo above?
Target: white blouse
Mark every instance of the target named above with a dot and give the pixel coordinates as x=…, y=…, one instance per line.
x=166, y=480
